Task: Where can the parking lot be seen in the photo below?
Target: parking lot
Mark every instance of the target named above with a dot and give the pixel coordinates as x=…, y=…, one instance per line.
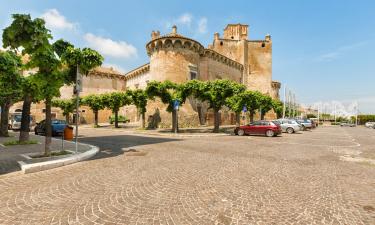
x=323, y=176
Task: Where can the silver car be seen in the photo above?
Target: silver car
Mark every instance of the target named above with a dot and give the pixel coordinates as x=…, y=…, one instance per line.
x=289, y=126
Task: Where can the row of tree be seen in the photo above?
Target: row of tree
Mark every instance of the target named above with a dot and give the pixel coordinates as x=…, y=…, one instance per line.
x=54, y=65
x=217, y=94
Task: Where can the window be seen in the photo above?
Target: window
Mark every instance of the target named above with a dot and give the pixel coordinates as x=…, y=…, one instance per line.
x=263, y=45
x=44, y=110
x=221, y=43
x=136, y=86
x=193, y=75
x=257, y=123
x=232, y=37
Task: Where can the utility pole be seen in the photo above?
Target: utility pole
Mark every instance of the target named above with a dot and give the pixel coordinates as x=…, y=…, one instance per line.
x=318, y=113
x=334, y=112
x=284, y=106
x=289, y=105
x=356, y=114
x=78, y=88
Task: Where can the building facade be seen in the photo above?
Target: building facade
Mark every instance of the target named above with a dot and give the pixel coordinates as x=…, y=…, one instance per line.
x=179, y=59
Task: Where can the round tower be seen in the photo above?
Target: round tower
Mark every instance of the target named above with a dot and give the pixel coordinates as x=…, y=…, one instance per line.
x=173, y=57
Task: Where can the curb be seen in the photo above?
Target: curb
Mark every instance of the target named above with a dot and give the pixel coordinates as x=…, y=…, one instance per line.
x=182, y=135
x=40, y=166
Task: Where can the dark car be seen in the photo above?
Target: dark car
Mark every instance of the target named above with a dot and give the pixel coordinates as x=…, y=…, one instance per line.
x=262, y=127
x=58, y=127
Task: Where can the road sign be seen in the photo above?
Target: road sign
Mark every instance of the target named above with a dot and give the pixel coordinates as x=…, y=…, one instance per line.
x=244, y=109
x=176, y=104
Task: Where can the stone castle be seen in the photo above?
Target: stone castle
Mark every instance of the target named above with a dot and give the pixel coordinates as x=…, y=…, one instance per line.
x=178, y=58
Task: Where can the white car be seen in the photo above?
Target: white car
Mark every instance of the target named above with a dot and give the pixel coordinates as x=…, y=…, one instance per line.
x=15, y=121
x=289, y=126
x=369, y=124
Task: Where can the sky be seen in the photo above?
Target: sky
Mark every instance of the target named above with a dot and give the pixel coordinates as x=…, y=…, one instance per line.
x=323, y=50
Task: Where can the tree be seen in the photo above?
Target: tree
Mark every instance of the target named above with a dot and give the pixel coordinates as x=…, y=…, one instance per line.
x=237, y=103
x=266, y=104
x=139, y=98
x=30, y=35
x=216, y=94
x=66, y=105
x=95, y=102
x=277, y=106
x=254, y=103
x=168, y=92
x=10, y=86
x=114, y=101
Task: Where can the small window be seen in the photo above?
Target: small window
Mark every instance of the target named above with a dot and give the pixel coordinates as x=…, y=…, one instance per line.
x=44, y=110
x=263, y=45
x=232, y=37
x=193, y=75
x=83, y=110
x=136, y=86
x=221, y=43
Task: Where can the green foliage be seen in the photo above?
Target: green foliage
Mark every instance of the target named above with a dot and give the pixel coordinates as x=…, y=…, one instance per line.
x=61, y=46
x=139, y=99
x=266, y=104
x=216, y=92
x=10, y=77
x=16, y=142
x=239, y=100
x=86, y=58
x=67, y=105
x=310, y=115
x=365, y=118
x=25, y=32
x=121, y=119
x=115, y=100
x=95, y=102
x=277, y=106
x=167, y=91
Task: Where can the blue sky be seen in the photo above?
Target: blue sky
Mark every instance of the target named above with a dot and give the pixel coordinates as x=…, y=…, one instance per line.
x=323, y=50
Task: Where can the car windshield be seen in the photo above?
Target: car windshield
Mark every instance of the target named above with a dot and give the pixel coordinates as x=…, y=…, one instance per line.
x=58, y=122
x=17, y=118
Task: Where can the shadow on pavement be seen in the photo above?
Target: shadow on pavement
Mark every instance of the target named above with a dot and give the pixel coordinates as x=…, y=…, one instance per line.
x=111, y=146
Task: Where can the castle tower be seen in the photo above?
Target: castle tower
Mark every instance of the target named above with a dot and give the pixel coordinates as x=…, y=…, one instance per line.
x=254, y=55
x=173, y=57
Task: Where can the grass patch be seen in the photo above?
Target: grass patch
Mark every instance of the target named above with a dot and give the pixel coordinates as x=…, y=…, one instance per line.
x=59, y=153
x=16, y=142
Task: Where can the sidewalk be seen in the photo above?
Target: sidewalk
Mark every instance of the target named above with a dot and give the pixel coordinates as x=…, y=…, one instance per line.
x=203, y=131
x=9, y=155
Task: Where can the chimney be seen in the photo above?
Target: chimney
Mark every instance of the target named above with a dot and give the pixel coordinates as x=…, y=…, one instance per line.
x=268, y=37
x=174, y=29
x=216, y=36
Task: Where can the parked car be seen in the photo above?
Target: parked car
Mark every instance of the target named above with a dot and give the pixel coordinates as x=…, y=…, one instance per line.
x=305, y=123
x=345, y=124
x=262, y=127
x=121, y=119
x=58, y=127
x=15, y=121
x=369, y=124
x=288, y=125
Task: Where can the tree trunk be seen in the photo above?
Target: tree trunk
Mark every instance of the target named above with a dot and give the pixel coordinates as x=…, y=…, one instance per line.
x=143, y=119
x=96, y=115
x=116, y=119
x=251, y=117
x=48, y=139
x=201, y=116
x=67, y=118
x=25, y=120
x=238, y=119
x=262, y=116
x=174, y=121
x=216, y=120
x=4, y=119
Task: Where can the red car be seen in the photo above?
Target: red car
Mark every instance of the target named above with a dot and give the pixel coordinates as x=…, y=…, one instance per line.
x=262, y=127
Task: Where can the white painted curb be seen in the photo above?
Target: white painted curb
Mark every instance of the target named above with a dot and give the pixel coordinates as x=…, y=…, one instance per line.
x=40, y=166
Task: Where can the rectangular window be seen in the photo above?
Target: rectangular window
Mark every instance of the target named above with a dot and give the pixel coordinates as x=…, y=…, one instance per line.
x=193, y=75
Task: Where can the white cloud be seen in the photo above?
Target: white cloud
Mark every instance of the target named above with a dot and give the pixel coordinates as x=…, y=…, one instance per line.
x=185, y=19
x=106, y=46
x=55, y=20
x=190, y=23
x=330, y=56
x=202, y=25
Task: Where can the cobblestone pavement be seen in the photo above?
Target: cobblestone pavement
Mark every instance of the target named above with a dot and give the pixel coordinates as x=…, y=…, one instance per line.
x=293, y=179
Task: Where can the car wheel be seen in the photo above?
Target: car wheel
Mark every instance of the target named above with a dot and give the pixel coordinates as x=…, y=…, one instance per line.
x=270, y=133
x=241, y=132
x=290, y=130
